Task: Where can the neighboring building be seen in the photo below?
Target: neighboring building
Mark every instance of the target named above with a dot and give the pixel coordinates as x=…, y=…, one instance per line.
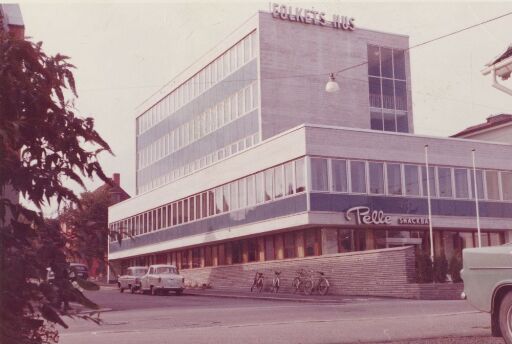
x=497, y=128
x=245, y=158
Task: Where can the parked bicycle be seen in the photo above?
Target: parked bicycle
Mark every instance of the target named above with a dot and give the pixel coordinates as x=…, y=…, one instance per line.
x=307, y=283
x=275, y=282
x=257, y=282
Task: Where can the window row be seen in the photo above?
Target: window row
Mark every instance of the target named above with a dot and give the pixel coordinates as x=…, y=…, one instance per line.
x=219, y=115
x=216, y=71
x=268, y=185
x=386, y=178
x=197, y=164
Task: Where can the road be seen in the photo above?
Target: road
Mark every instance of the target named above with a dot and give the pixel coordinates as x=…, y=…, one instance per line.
x=201, y=319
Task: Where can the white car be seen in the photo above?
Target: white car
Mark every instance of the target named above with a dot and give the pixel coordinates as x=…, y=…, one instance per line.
x=131, y=280
x=161, y=279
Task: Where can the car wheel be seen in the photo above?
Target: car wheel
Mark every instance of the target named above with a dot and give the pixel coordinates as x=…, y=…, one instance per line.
x=120, y=288
x=133, y=289
x=505, y=318
x=179, y=291
x=153, y=291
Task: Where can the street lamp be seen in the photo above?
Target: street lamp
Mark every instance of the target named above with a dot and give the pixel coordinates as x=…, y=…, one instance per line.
x=332, y=86
x=500, y=67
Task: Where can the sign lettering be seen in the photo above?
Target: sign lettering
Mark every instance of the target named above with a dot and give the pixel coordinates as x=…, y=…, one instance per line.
x=314, y=17
x=364, y=216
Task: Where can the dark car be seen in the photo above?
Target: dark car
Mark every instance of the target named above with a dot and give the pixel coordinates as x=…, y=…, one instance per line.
x=80, y=270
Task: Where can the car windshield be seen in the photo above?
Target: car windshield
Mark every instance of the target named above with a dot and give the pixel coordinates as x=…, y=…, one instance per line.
x=139, y=272
x=165, y=270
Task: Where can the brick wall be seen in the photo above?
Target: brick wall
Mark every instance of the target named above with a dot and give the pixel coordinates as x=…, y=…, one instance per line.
x=386, y=272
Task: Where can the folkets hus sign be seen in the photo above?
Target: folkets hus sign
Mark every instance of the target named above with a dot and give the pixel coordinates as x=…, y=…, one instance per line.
x=303, y=15
x=365, y=216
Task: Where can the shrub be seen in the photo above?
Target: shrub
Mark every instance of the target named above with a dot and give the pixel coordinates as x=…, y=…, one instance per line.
x=424, y=273
x=440, y=268
x=455, y=267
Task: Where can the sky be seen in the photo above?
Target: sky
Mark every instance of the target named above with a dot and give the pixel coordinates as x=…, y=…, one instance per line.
x=124, y=53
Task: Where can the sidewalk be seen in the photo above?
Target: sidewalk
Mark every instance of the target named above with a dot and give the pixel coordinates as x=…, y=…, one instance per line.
x=299, y=297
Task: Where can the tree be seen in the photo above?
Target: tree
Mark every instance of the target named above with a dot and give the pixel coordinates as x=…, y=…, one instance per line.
x=43, y=144
x=88, y=227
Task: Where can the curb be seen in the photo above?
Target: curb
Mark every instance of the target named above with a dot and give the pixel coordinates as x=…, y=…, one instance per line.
x=267, y=298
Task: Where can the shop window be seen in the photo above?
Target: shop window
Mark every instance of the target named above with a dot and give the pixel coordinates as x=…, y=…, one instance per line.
x=461, y=182
x=300, y=177
x=310, y=240
x=444, y=177
x=185, y=264
x=412, y=182
x=288, y=179
x=491, y=178
x=236, y=252
x=345, y=240
x=495, y=239
x=358, y=176
x=376, y=172
x=319, y=179
x=466, y=239
x=208, y=256
x=196, y=257
x=252, y=250
x=278, y=182
x=506, y=185
x=289, y=245
x=339, y=175
x=221, y=254
x=431, y=181
x=360, y=239
x=269, y=248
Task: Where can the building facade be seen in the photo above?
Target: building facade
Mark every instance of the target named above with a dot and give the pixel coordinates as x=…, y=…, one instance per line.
x=497, y=128
x=245, y=158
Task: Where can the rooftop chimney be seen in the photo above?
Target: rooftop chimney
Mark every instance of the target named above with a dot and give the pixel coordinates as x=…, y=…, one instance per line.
x=116, y=177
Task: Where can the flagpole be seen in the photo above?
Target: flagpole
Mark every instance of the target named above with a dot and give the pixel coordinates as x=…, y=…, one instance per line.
x=476, y=199
x=429, y=207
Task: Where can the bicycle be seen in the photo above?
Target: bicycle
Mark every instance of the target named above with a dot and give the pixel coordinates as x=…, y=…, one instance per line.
x=275, y=282
x=299, y=280
x=321, y=284
x=257, y=282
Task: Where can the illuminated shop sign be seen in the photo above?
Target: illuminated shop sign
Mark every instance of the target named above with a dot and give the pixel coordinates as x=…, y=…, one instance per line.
x=307, y=16
x=413, y=220
x=364, y=216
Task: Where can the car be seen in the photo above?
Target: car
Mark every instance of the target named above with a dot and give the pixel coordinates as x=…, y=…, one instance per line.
x=131, y=280
x=162, y=278
x=487, y=277
x=80, y=270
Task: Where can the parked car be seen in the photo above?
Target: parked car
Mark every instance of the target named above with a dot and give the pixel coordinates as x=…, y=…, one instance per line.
x=161, y=279
x=131, y=280
x=488, y=285
x=80, y=270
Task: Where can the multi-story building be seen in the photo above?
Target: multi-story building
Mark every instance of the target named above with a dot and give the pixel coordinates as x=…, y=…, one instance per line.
x=245, y=158
x=497, y=128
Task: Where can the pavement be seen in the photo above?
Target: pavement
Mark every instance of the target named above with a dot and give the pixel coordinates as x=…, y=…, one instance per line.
x=210, y=316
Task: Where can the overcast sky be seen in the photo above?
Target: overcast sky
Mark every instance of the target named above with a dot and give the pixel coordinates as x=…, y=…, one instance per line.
x=126, y=52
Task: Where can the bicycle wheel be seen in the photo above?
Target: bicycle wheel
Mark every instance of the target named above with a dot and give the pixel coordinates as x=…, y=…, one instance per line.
x=260, y=285
x=277, y=285
x=323, y=286
x=296, y=284
x=307, y=285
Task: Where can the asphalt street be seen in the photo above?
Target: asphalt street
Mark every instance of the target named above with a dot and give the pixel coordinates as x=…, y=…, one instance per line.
x=205, y=319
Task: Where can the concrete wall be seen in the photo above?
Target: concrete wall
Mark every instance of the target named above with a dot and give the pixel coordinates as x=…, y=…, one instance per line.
x=295, y=62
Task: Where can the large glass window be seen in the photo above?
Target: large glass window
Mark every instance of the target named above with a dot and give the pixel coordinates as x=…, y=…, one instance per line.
x=268, y=184
x=319, y=180
x=278, y=182
x=491, y=178
x=236, y=252
x=234, y=195
x=358, y=176
x=226, y=203
x=506, y=185
x=252, y=250
x=479, y=184
x=461, y=182
x=288, y=178
x=444, y=175
x=300, y=178
x=412, y=180
x=251, y=192
x=242, y=193
x=260, y=187
x=431, y=181
x=289, y=245
x=310, y=240
x=376, y=171
x=269, y=248
x=339, y=175
x=394, y=179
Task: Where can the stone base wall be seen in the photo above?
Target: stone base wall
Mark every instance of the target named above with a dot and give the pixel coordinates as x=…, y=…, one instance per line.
x=385, y=273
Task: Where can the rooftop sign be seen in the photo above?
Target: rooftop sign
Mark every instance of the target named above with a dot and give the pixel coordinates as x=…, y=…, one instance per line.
x=314, y=17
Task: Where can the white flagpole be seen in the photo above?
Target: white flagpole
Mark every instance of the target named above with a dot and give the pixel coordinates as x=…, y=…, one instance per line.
x=476, y=199
x=429, y=207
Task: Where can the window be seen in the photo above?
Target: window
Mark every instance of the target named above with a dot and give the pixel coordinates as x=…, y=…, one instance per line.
x=211, y=202
x=300, y=180
x=339, y=175
x=185, y=211
x=444, y=176
x=412, y=181
x=269, y=248
x=268, y=184
x=288, y=178
x=198, y=207
x=236, y=252
x=260, y=187
x=493, y=192
x=251, y=192
x=461, y=182
x=289, y=245
x=394, y=177
x=196, y=257
x=506, y=185
x=358, y=176
x=180, y=212
x=185, y=264
x=252, y=250
x=319, y=181
x=191, y=209
x=431, y=181
x=234, y=195
x=310, y=240
x=226, y=204
x=278, y=182
x=376, y=172
x=479, y=184
x=208, y=256
x=242, y=193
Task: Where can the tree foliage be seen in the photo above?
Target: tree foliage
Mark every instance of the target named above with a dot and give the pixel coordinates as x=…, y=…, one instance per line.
x=43, y=144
